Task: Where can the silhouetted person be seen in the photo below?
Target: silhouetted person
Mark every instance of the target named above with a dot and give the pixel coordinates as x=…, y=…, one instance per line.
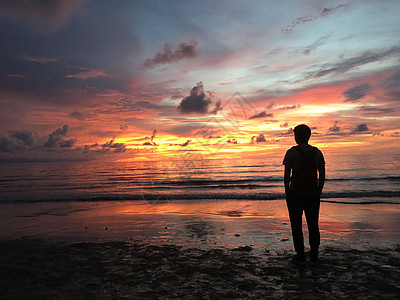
x=304, y=180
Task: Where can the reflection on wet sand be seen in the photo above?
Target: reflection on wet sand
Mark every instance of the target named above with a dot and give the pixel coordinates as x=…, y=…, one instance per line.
x=259, y=224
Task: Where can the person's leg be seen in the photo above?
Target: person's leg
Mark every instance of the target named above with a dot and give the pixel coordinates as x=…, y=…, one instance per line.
x=295, y=215
x=312, y=215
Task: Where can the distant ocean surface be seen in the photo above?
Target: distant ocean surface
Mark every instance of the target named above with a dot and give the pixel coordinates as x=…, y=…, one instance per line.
x=361, y=179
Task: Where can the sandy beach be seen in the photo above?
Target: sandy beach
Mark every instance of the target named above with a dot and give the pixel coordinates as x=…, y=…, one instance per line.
x=193, y=250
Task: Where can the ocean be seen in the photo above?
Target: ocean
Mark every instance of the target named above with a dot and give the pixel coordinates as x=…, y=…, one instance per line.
x=351, y=179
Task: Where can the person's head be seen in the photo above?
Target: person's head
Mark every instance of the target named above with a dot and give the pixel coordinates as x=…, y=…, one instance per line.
x=302, y=133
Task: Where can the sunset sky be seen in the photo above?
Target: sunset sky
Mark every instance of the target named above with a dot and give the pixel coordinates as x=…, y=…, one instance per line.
x=135, y=80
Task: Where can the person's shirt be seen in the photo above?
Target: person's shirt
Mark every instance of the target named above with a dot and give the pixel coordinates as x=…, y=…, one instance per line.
x=293, y=157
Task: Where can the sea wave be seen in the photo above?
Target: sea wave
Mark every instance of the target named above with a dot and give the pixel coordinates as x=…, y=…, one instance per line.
x=374, y=197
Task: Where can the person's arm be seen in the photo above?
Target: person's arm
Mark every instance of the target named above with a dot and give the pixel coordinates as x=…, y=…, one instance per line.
x=321, y=178
x=286, y=178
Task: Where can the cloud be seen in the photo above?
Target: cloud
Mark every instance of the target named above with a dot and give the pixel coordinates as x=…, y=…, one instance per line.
x=312, y=17
x=44, y=16
x=294, y=106
x=186, y=143
x=392, y=86
x=24, y=145
x=354, y=62
x=114, y=147
x=167, y=56
x=40, y=60
x=258, y=139
x=334, y=128
x=56, y=138
x=310, y=48
x=357, y=92
x=270, y=105
x=361, y=128
x=78, y=115
x=25, y=136
x=88, y=74
x=369, y=110
x=151, y=143
x=232, y=141
x=197, y=102
x=261, y=115
x=217, y=108
x=287, y=133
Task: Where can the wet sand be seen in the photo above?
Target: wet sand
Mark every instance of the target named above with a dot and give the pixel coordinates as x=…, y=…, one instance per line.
x=189, y=250
x=32, y=269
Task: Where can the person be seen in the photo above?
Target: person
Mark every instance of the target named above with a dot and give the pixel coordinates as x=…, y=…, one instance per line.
x=304, y=180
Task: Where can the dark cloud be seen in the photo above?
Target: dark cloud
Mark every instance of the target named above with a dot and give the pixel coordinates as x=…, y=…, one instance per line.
x=354, y=62
x=287, y=133
x=312, y=47
x=270, y=105
x=26, y=146
x=284, y=125
x=114, y=147
x=167, y=56
x=42, y=16
x=392, y=86
x=123, y=127
x=217, y=108
x=25, y=136
x=153, y=135
x=7, y=145
x=369, y=110
x=261, y=115
x=232, y=141
x=56, y=138
x=294, y=106
x=186, y=143
x=393, y=81
x=197, y=102
x=78, y=115
x=258, y=139
x=361, y=128
x=335, y=128
x=151, y=142
x=357, y=92
x=312, y=17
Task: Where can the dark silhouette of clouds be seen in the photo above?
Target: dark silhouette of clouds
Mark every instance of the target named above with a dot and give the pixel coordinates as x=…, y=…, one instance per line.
x=167, y=56
x=258, y=139
x=369, y=110
x=357, y=92
x=294, y=106
x=335, y=128
x=186, y=143
x=197, y=102
x=354, y=62
x=262, y=114
x=392, y=86
x=24, y=145
x=114, y=147
x=361, y=128
x=25, y=136
x=78, y=115
x=312, y=17
x=56, y=138
x=151, y=142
